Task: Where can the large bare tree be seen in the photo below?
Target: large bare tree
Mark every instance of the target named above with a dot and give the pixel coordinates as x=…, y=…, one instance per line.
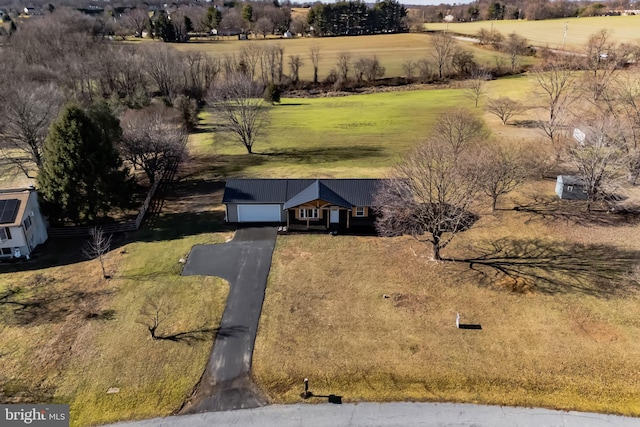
x=152, y=139
x=443, y=49
x=97, y=247
x=600, y=158
x=429, y=196
x=432, y=191
x=28, y=110
x=238, y=106
x=556, y=90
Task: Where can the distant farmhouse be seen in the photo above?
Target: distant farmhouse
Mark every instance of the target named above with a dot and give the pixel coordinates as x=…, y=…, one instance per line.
x=571, y=188
x=22, y=226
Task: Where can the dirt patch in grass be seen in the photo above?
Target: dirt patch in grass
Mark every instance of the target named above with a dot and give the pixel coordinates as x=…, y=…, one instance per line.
x=374, y=318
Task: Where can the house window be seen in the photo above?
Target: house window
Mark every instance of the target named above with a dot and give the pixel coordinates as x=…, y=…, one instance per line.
x=5, y=251
x=360, y=211
x=27, y=223
x=5, y=234
x=570, y=188
x=309, y=213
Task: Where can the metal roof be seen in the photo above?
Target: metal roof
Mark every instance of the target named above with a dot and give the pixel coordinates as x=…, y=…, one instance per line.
x=317, y=191
x=342, y=192
x=571, y=180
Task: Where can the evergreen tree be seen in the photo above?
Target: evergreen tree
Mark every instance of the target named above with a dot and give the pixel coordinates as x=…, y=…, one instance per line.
x=272, y=93
x=213, y=17
x=164, y=28
x=82, y=176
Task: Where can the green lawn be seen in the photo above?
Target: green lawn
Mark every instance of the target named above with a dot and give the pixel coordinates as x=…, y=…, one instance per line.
x=350, y=136
x=551, y=32
x=391, y=49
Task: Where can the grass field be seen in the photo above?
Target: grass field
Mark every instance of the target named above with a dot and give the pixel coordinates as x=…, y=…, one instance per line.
x=84, y=337
x=391, y=49
x=562, y=335
x=350, y=136
x=551, y=32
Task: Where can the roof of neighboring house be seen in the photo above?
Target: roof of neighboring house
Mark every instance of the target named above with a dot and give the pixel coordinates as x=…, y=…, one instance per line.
x=571, y=180
x=294, y=192
x=12, y=206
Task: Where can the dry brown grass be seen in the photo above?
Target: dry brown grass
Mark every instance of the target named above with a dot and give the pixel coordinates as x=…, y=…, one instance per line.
x=563, y=340
x=86, y=336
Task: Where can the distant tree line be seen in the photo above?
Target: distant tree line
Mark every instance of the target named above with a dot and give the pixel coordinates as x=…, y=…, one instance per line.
x=511, y=9
x=356, y=17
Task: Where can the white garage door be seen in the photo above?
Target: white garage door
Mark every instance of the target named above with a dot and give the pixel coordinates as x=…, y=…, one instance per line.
x=259, y=213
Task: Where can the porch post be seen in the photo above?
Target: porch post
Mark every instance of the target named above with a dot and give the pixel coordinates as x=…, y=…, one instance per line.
x=287, y=218
x=307, y=223
x=328, y=211
x=348, y=216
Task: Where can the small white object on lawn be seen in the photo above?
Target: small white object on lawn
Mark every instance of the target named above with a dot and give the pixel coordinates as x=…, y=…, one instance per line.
x=458, y=320
x=182, y=260
x=113, y=390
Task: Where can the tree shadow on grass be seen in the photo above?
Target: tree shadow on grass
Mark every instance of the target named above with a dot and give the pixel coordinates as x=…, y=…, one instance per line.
x=575, y=212
x=40, y=302
x=325, y=154
x=554, y=267
x=203, y=334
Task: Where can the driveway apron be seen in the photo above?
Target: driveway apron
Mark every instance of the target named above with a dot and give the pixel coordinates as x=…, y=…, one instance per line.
x=244, y=262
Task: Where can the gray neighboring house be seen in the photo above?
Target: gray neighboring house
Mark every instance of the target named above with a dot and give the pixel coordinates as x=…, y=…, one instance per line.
x=22, y=226
x=301, y=203
x=570, y=187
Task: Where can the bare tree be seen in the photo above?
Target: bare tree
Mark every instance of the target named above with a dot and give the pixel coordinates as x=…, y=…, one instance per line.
x=250, y=55
x=476, y=87
x=344, y=66
x=626, y=110
x=459, y=129
x=162, y=64
x=152, y=139
x=295, y=63
x=602, y=61
x=240, y=109
x=556, y=90
x=443, y=49
x=264, y=26
x=515, y=46
x=97, y=247
x=502, y=170
x=424, y=68
x=314, y=56
x=153, y=313
x=28, y=110
x=409, y=67
x=429, y=196
x=599, y=158
x=200, y=71
x=272, y=63
x=504, y=108
x=136, y=19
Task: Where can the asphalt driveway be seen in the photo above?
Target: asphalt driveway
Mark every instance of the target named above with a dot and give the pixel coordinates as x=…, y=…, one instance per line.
x=244, y=262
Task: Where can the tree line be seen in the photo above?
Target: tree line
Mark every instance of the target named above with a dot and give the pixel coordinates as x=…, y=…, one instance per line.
x=510, y=9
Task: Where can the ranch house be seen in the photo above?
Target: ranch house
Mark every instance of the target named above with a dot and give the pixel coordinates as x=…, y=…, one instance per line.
x=307, y=204
x=22, y=226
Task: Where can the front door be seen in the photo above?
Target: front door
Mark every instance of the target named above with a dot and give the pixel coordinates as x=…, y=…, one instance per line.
x=335, y=216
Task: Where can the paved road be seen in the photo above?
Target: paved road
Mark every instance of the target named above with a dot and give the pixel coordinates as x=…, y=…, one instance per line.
x=391, y=415
x=244, y=262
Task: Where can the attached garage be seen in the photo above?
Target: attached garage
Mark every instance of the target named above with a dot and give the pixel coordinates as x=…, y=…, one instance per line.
x=259, y=213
